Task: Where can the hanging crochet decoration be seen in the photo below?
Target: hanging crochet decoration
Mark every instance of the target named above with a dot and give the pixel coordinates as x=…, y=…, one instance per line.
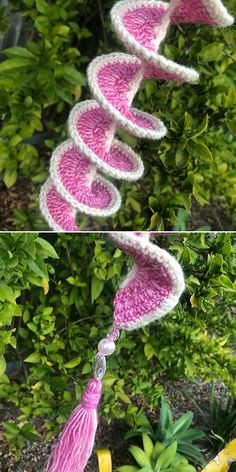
x=74, y=184
x=150, y=290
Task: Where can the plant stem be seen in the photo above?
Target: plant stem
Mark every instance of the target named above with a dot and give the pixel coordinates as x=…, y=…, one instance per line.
x=102, y=22
x=68, y=257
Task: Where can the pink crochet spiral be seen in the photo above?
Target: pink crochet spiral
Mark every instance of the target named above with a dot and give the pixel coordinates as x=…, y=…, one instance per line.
x=74, y=184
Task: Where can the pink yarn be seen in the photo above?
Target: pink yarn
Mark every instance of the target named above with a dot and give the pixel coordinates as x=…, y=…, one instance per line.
x=143, y=294
x=118, y=81
x=74, y=446
x=76, y=174
x=93, y=127
x=154, y=72
x=150, y=283
x=61, y=211
x=191, y=11
x=142, y=24
x=153, y=286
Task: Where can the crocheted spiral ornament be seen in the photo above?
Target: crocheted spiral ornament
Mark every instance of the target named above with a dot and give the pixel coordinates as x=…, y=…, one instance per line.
x=149, y=291
x=74, y=184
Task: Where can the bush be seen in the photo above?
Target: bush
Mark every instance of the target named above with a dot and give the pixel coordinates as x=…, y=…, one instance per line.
x=166, y=432
x=55, y=310
x=41, y=79
x=157, y=458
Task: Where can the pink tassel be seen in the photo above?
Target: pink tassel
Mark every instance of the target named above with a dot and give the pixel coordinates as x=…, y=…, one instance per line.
x=75, y=444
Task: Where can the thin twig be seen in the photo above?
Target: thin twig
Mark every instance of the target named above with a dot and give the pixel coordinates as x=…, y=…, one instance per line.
x=79, y=321
x=102, y=22
x=68, y=257
x=230, y=56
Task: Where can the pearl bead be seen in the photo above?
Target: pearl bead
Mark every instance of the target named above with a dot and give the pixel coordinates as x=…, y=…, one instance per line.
x=106, y=347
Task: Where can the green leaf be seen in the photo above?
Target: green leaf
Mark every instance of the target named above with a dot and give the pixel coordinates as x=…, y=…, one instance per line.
x=128, y=468
x=43, y=7
x=69, y=74
x=158, y=449
x=10, y=177
x=2, y=365
x=185, y=468
x=38, y=267
x=212, y=52
x=150, y=88
x=6, y=293
x=153, y=203
x=148, y=445
x=18, y=52
x=11, y=428
x=231, y=124
x=15, y=63
x=149, y=351
x=31, y=436
x=56, y=382
x=183, y=422
x=200, y=150
x=140, y=456
x=154, y=221
x=48, y=248
x=100, y=273
x=33, y=358
x=191, y=434
x=61, y=30
x=181, y=157
x=165, y=419
x=96, y=288
x=72, y=363
x=167, y=456
x=201, y=129
x=135, y=204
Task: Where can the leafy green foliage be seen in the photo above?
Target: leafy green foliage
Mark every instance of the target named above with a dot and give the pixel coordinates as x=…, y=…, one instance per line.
x=41, y=78
x=168, y=432
x=56, y=296
x=220, y=418
x=18, y=435
x=157, y=458
x=22, y=265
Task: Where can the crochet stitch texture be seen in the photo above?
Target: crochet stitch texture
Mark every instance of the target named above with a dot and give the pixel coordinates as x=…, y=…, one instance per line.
x=152, y=287
x=74, y=184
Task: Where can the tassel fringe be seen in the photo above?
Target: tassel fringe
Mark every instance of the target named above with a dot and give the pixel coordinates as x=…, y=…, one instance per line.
x=75, y=444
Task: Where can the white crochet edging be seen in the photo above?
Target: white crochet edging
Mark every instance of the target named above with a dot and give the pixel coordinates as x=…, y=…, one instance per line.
x=185, y=74
x=124, y=122
x=216, y=10
x=130, y=176
x=44, y=208
x=155, y=253
x=88, y=210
